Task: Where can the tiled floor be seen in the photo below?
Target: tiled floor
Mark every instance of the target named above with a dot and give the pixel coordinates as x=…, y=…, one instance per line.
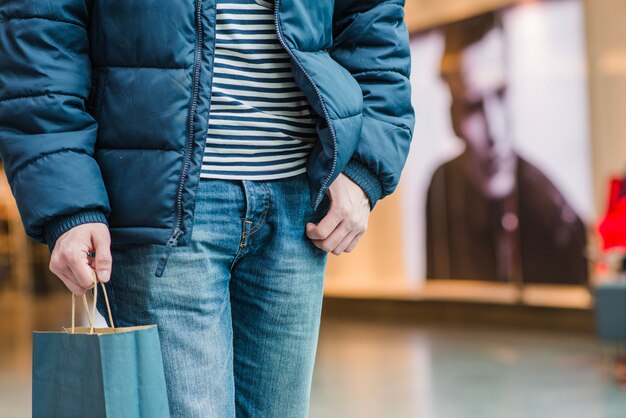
x=369, y=368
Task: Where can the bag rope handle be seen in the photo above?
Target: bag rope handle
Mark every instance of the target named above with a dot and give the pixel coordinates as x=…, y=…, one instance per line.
x=91, y=315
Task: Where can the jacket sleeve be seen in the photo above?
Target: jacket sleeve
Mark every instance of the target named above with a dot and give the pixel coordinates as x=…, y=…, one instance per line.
x=370, y=39
x=47, y=137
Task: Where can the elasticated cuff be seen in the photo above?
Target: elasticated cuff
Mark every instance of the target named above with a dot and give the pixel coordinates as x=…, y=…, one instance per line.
x=58, y=226
x=366, y=179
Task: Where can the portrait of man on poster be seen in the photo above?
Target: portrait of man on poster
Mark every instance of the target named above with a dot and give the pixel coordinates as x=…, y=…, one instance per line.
x=492, y=214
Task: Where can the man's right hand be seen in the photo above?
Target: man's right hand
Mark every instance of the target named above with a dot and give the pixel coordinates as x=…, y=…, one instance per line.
x=70, y=259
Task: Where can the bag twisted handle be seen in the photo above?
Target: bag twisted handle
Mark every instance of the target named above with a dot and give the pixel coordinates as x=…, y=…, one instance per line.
x=91, y=315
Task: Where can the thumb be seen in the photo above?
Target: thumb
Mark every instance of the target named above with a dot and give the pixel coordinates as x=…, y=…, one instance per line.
x=102, y=247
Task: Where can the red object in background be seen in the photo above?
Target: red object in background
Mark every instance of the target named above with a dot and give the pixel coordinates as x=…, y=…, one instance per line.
x=612, y=227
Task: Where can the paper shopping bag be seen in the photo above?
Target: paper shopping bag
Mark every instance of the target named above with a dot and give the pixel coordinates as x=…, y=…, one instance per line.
x=87, y=372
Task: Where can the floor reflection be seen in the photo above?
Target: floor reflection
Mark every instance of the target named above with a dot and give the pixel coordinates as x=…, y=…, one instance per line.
x=371, y=368
x=368, y=368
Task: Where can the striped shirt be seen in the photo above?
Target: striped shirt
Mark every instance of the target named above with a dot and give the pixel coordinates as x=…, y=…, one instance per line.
x=261, y=125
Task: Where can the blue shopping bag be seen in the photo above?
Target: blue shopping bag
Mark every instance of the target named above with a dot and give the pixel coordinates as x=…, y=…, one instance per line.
x=87, y=372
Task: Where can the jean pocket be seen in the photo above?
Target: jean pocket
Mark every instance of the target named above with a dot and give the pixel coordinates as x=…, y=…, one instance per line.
x=322, y=209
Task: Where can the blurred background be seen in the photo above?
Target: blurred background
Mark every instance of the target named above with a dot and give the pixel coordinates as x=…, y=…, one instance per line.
x=492, y=283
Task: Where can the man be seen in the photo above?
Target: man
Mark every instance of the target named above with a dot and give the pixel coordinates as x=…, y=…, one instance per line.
x=234, y=142
x=491, y=214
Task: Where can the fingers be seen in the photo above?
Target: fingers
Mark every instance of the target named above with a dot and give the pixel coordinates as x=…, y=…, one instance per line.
x=337, y=232
x=346, y=219
x=102, y=246
x=70, y=260
x=327, y=225
x=331, y=242
x=347, y=244
x=67, y=277
x=71, y=285
x=353, y=243
x=83, y=274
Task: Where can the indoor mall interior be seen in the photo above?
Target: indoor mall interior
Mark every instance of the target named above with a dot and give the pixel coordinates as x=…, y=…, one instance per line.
x=492, y=282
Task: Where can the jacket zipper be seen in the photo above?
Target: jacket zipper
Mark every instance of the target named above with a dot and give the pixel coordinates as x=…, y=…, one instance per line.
x=319, y=96
x=178, y=232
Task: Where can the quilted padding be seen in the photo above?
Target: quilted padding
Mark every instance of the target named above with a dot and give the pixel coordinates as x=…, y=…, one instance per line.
x=149, y=174
x=143, y=108
x=104, y=106
x=46, y=136
x=142, y=33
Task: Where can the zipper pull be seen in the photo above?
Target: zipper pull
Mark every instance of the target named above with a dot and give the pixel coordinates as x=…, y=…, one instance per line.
x=171, y=242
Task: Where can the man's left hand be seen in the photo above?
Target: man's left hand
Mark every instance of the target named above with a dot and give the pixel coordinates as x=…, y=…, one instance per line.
x=346, y=220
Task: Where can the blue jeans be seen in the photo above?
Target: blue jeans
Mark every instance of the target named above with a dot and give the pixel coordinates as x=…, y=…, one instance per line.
x=238, y=310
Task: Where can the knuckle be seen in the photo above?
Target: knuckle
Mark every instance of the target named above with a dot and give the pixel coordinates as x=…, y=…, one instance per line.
x=65, y=253
x=103, y=259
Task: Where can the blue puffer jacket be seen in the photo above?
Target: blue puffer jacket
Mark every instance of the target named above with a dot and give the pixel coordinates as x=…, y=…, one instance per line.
x=104, y=106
